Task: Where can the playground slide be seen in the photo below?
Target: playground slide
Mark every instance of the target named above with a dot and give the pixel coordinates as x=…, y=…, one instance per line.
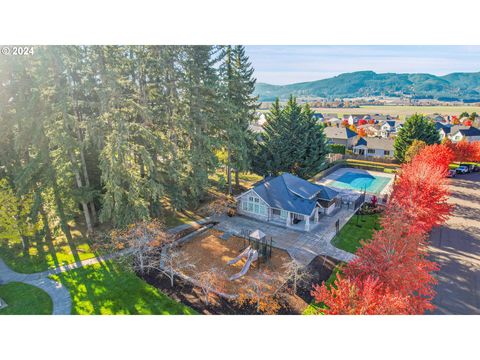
x=252, y=256
x=243, y=254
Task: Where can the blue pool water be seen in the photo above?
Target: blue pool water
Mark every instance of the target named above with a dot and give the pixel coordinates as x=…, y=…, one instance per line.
x=360, y=182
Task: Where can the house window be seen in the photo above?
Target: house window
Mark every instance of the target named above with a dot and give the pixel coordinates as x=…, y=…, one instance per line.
x=371, y=151
x=253, y=205
x=386, y=152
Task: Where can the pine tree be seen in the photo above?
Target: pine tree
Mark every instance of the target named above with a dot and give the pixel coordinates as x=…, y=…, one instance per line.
x=417, y=127
x=239, y=104
x=292, y=141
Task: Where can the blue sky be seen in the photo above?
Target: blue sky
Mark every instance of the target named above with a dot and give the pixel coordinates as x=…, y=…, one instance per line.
x=288, y=64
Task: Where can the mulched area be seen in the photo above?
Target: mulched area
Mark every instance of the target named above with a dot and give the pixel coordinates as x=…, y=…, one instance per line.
x=189, y=295
x=208, y=250
x=321, y=268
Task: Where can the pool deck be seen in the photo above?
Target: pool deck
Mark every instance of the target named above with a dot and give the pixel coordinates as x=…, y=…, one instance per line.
x=329, y=179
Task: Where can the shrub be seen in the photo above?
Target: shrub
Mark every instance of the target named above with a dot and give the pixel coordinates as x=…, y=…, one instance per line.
x=337, y=149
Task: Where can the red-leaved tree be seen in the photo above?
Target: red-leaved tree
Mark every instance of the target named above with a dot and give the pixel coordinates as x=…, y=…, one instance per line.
x=349, y=297
x=391, y=274
x=396, y=257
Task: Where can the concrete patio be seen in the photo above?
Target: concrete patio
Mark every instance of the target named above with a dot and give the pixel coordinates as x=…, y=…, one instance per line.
x=301, y=246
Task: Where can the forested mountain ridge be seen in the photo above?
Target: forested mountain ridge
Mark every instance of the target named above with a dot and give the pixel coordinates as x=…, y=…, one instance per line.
x=451, y=87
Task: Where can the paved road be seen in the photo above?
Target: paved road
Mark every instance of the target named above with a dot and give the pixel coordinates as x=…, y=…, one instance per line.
x=456, y=247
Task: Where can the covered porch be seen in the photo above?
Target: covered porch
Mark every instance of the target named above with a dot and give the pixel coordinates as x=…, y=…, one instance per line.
x=294, y=220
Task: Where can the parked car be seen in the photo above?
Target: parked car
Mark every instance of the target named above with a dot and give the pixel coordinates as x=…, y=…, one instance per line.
x=462, y=169
x=451, y=173
x=468, y=166
x=476, y=168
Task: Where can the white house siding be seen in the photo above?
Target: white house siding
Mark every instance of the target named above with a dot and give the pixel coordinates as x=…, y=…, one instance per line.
x=251, y=201
x=378, y=153
x=329, y=209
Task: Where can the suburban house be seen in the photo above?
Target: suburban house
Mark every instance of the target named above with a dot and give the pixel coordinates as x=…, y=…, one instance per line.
x=443, y=129
x=468, y=134
x=340, y=135
x=389, y=127
x=370, y=129
x=374, y=147
x=334, y=121
x=437, y=117
x=288, y=200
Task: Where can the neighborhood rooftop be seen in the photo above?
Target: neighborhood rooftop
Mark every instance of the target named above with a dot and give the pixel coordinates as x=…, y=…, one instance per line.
x=339, y=132
x=377, y=143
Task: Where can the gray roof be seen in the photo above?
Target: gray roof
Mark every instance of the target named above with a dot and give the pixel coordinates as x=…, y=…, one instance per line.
x=291, y=193
x=454, y=129
x=376, y=143
x=471, y=131
x=333, y=132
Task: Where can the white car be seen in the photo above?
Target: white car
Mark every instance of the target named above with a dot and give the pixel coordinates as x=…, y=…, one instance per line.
x=462, y=170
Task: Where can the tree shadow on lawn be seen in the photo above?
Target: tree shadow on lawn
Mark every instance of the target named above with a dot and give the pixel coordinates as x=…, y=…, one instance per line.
x=46, y=252
x=110, y=288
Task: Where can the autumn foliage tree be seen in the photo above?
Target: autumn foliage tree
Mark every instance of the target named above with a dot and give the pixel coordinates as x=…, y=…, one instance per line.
x=143, y=242
x=361, y=132
x=352, y=297
x=261, y=291
x=391, y=274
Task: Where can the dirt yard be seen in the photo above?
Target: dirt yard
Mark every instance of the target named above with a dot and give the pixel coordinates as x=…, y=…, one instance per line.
x=208, y=250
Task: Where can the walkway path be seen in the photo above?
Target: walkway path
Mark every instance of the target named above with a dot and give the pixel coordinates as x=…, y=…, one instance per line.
x=62, y=302
x=455, y=246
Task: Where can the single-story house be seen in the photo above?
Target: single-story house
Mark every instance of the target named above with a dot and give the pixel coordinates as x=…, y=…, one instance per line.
x=288, y=200
x=443, y=129
x=374, y=147
x=469, y=134
x=340, y=135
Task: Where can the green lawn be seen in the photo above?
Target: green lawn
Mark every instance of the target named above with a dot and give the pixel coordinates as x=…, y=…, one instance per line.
x=41, y=256
x=109, y=289
x=172, y=219
x=23, y=299
x=348, y=239
x=359, y=227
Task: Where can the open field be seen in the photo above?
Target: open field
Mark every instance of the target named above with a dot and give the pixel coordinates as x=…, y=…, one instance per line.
x=402, y=111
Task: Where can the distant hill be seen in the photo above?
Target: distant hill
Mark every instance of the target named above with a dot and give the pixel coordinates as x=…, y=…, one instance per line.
x=453, y=87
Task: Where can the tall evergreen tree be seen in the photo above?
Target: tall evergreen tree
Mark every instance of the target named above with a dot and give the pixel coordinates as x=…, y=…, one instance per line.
x=292, y=141
x=417, y=127
x=238, y=85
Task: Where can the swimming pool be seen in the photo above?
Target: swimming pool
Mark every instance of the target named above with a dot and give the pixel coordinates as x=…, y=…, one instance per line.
x=361, y=182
